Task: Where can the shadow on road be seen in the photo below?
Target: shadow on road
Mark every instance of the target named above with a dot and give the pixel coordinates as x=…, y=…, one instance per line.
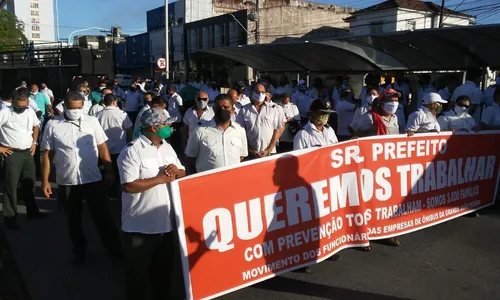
x=295, y=286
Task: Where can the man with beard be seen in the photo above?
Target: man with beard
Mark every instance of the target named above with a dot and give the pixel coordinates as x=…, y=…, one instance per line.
x=219, y=144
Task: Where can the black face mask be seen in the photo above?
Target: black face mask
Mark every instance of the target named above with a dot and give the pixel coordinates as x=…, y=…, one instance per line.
x=222, y=116
x=19, y=110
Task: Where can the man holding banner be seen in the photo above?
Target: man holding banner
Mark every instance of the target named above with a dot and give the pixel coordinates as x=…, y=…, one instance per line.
x=146, y=166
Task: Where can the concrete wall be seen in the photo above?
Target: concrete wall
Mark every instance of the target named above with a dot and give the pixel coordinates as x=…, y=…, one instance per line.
x=402, y=19
x=198, y=10
x=298, y=19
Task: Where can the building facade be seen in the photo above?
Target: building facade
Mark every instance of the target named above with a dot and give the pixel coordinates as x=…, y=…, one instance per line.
x=400, y=15
x=38, y=18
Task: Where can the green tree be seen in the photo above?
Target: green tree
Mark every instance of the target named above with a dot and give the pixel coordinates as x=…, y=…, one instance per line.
x=11, y=31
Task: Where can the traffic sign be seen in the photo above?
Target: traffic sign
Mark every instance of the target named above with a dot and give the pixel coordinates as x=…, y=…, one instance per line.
x=161, y=63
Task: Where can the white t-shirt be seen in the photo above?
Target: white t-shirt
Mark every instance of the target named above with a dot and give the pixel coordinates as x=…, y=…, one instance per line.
x=450, y=120
x=345, y=115
x=16, y=130
x=310, y=136
x=422, y=121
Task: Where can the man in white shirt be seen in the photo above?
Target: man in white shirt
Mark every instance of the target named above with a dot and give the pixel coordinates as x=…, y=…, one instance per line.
x=471, y=89
x=292, y=124
x=199, y=115
x=148, y=97
x=488, y=95
x=317, y=132
x=99, y=106
x=74, y=143
x=424, y=119
x=146, y=166
x=458, y=118
x=302, y=100
x=87, y=104
x=174, y=106
x=490, y=120
x=371, y=95
x=426, y=87
x=345, y=108
x=119, y=130
x=47, y=92
x=133, y=101
x=220, y=143
x=263, y=123
x=19, y=129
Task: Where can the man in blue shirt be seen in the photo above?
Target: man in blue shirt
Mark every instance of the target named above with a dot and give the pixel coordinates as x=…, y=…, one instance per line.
x=43, y=103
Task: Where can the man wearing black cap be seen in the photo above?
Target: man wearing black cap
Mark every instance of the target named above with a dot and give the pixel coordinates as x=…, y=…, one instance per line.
x=317, y=132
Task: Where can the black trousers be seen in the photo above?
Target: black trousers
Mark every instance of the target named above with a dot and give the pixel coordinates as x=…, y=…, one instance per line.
x=71, y=196
x=285, y=147
x=115, y=191
x=150, y=261
x=177, y=139
x=20, y=179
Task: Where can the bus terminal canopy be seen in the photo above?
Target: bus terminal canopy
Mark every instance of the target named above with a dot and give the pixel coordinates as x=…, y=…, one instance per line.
x=455, y=48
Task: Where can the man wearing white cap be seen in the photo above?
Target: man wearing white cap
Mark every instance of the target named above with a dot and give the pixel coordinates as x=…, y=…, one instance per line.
x=424, y=119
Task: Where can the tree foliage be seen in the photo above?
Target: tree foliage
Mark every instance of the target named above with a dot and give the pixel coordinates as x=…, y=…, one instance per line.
x=11, y=31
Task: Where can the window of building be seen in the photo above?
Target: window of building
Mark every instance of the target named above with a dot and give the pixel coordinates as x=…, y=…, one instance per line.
x=34, y=4
x=34, y=13
x=376, y=27
x=411, y=25
x=35, y=21
x=35, y=28
x=35, y=35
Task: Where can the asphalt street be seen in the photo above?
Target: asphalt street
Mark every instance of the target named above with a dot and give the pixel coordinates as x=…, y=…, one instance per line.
x=454, y=260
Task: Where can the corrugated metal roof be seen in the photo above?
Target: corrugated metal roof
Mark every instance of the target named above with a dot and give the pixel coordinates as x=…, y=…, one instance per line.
x=429, y=49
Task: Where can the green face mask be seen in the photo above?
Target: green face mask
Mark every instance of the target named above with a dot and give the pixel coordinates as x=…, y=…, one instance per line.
x=164, y=132
x=320, y=119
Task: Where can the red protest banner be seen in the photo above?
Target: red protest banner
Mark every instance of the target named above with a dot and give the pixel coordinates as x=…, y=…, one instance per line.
x=251, y=222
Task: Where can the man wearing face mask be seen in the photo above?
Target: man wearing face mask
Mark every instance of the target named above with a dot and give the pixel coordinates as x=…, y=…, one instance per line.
x=19, y=129
x=148, y=97
x=317, y=132
x=424, y=119
x=117, y=90
x=263, y=123
x=381, y=120
x=75, y=142
x=458, y=118
x=371, y=95
x=218, y=144
x=146, y=167
x=199, y=115
x=87, y=104
x=471, y=89
x=99, y=106
x=42, y=102
x=48, y=92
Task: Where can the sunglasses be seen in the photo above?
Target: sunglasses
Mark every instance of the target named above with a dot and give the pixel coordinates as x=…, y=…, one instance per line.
x=463, y=105
x=202, y=99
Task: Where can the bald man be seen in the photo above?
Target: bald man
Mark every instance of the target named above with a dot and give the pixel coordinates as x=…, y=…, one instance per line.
x=199, y=115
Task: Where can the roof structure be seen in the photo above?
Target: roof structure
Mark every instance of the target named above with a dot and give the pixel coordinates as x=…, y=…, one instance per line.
x=454, y=48
x=426, y=6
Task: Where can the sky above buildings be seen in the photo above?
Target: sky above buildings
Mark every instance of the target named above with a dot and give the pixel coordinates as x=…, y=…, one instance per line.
x=131, y=15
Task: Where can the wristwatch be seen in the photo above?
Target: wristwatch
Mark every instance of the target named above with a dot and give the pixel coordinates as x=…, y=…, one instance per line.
x=35, y=143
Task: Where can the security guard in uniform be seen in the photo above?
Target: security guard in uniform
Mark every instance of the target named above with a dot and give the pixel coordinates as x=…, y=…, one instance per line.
x=146, y=166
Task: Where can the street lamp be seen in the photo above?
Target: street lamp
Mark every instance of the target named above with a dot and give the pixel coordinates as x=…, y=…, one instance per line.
x=85, y=29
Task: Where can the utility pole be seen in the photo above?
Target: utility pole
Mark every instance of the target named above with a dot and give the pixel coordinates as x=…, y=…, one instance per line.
x=115, y=33
x=257, y=22
x=167, y=52
x=441, y=13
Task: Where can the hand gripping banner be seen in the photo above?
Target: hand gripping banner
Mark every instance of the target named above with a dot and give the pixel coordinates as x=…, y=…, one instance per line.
x=245, y=224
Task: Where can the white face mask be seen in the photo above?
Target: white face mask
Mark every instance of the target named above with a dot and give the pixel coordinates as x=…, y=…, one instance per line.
x=391, y=107
x=259, y=97
x=201, y=104
x=370, y=99
x=460, y=110
x=74, y=114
